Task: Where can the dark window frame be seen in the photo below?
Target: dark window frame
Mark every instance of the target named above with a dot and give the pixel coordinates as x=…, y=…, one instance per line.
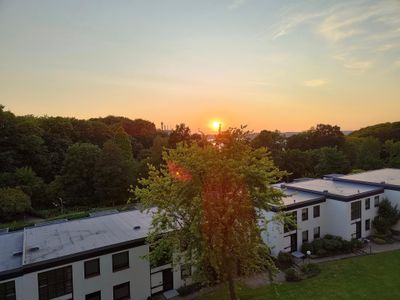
x=367, y=224
x=316, y=211
x=355, y=208
x=376, y=201
x=7, y=290
x=304, y=240
x=92, y=296
x=317, y=235
x=55, y=283
x=86, y=267
x=119, y=267
x=367, y=203
x=304, y=214
x=122, y=285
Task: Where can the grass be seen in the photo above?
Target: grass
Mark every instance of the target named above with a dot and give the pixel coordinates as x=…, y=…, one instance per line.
x=366, y=277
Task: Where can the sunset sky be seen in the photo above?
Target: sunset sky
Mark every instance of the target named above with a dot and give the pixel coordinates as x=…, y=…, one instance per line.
x=284, y=65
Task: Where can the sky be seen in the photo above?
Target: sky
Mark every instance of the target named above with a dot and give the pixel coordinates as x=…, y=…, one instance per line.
x=285, y=65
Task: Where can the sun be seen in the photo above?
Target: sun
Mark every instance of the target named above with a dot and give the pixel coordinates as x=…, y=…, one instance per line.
x=216, y=125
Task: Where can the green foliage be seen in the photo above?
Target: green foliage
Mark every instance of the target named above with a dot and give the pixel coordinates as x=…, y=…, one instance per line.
x=274, y=141
x=78, y=174
x=382, y=132
x=392, y=153
x=114, y=173
x=310, y=270
x=189, y=289
x=307, y=247
x=13, y=201
x=292, y=275
x=206, y=198
x=329, y=160
x=364, y=153
x=285, y=260
x=388, y=215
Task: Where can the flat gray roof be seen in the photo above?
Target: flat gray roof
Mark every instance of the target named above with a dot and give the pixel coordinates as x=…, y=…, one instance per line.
x=332, y=187
x=382, y=176
x=294, y=196
x=11, y=243
x=68, y=238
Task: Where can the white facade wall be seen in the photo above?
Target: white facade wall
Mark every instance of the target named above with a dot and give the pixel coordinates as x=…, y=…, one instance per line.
x=138, y=274
x=394, y=198
x=335, y=219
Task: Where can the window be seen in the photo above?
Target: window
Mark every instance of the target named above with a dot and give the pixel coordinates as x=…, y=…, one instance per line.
x=304, y=214
x=120, y=261
x=186, y=271
x=305, y=236
x=317, y=232
x=92, y=268
x=55, y=283
x=367, y=224
x=7, y=290
x=316, y=211
x=376, y=201
x=93, y=296
x=290, y=222
x=355, y=210
x=122, y=291
x=367, y=203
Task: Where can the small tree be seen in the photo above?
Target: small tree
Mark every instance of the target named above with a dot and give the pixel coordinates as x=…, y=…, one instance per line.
x=209, y=199
x=388, y=215
x=13, y=201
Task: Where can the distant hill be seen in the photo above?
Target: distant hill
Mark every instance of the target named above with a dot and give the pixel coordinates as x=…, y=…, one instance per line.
x=383, y=131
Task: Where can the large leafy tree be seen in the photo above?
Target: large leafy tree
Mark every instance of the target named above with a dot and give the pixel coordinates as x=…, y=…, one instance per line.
x=208, y=200
x=78, y=173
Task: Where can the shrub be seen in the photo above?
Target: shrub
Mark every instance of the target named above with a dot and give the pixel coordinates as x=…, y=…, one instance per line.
x=332, y=245
x=379, y=241
x=322, y=252
x=346, y=246
x=13, y=201
x=328, y=237
x=307, y=247
x=285, y=260
x=310, y=270
x=388, y=215
x=356, y=244
x=292, y=275
x=189, y=289
x=317, y=245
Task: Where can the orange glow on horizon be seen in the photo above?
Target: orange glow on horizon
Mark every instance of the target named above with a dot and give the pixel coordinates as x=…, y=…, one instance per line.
x=215, y=125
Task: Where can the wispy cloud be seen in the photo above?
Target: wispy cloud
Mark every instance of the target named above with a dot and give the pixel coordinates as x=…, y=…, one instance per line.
x=315, y=82
x=236, y=4
x=357, y=32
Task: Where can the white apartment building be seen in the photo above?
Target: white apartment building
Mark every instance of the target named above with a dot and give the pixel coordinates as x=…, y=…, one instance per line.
x=88, y=259
x=341, y=205
x=103, y=257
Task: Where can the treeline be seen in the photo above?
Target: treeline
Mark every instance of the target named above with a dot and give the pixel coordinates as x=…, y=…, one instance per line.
x=325, y=149
x=49, y=161
x=46, y=161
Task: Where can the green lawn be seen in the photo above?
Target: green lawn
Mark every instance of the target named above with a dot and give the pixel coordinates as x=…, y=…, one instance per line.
x=367, y=277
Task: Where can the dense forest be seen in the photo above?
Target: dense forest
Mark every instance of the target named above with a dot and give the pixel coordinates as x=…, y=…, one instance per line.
x=49, y=161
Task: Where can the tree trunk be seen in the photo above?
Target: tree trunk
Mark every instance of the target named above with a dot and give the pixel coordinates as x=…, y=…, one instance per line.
x=231, y=286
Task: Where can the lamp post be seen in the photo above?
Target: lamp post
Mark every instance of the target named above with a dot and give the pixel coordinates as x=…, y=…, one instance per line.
x=308, y=255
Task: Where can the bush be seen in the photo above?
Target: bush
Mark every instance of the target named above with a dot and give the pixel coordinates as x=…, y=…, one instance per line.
x=189, y=289
x=379, y=241
x=292, y=275
x=13, y=201
x=388, y=215
x=346, y=246
x=356, y=244
x=285, y=260
x=322, y=252
x=332, y=245
x=317, y=245
x=310, y=270
x=307, y=247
